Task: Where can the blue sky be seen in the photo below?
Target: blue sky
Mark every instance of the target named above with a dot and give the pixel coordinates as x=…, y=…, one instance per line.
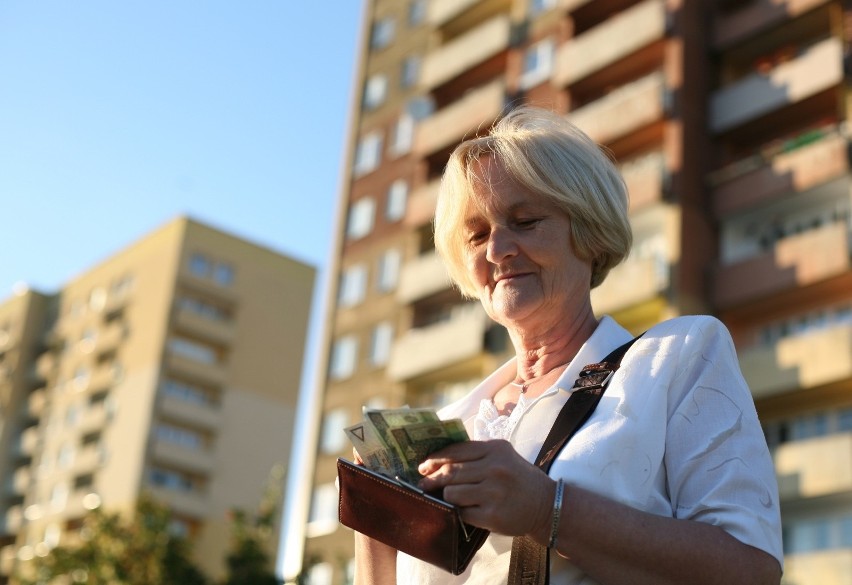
x=116, y=117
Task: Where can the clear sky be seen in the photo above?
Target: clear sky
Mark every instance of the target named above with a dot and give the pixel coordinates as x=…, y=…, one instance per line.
x=118, y=115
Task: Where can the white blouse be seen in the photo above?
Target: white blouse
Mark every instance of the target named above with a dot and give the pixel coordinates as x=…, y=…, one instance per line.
x=675, y=434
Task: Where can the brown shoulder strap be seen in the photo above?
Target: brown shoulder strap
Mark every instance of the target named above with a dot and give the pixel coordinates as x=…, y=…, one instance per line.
x=530, y=562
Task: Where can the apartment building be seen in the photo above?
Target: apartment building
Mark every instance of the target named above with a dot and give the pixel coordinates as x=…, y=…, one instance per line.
x=728, y=121
x=171, y=368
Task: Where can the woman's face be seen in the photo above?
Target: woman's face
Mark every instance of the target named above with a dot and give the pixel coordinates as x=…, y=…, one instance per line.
x=519, y=253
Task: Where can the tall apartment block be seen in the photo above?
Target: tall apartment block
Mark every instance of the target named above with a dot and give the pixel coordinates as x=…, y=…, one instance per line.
x=171, y=368
x=728, y=121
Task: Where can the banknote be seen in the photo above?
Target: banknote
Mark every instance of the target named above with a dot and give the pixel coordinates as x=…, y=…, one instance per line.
x=395, y=441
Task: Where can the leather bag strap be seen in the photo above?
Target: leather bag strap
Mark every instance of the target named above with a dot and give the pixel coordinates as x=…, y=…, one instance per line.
x=530, y=561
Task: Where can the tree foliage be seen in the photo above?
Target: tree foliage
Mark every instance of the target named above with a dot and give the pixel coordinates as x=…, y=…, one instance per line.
x=114, y=550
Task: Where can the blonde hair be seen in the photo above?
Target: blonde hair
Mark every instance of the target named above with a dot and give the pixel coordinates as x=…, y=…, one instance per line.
x=551, y=158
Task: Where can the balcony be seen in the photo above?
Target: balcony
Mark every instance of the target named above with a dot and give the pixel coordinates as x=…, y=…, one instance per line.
x=45, y=365
x=29, y=441
x=645, y=179
x=186, y=503
x=421, y=277
x=425, y=349
x=182, y=457
x=818, y=68
x=647, y=278
x=207, y=287
x=103, y=378
x=755, y=16
x=465, y=52
x=109, y=338
x=20, y=481
x=800, y=362
x=816, y=467
x=8, y=555
x=788, y=172
x=207, y=328
x=624, y=110
x=440, y=11
x=213, y=374
x=36, y=402
x=200, y=415
x=823, y=567
x=610, y=41
x=421, y=204
x=93, y=419
x=794, y=262
x=13, y=520
x=89, y=459
x=478, y=108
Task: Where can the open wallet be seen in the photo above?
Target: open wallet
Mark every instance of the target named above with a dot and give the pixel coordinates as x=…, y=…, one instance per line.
x=406, y=518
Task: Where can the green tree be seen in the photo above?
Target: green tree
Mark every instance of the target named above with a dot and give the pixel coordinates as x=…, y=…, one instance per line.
x=114, y=550
x=249, y=559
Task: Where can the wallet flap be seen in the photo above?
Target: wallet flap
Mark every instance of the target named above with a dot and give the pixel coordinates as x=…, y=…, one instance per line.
x=405, y=518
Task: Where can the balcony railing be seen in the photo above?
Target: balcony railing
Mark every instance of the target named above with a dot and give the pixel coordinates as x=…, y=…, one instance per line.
x=440, y=11
x=816, y=69
x=624, y=110
x=421, y=204
x=214, y=373
x=13, y=520
x=425, y=349
x=421, y=277
x=93, y=419
x=825, y=566
x=186, y=503
x=199, y=415
x=794, y=171
x=183, y=458
x=632, y=282
x=815, y=467
x=476, y=109
x=89, y=459
x=109, y=338
x=211, y=329
x=36, y=402
x=465, y=52
x=610, y=41
x=29, y=441
x=799, y=362
x=755, y=16
x=793, y=262
x=645, y=178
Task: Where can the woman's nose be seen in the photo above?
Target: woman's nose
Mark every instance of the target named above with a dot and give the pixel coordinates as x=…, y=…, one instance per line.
x=501, y=245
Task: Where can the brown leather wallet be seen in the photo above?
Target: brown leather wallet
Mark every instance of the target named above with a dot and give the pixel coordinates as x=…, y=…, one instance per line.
x=406, y=518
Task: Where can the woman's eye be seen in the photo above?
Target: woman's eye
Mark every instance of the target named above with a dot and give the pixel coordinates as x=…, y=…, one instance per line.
x=527, y=223
x=477, y=237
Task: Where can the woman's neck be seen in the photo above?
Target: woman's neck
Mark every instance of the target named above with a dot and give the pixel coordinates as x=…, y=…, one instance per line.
x=540, y=352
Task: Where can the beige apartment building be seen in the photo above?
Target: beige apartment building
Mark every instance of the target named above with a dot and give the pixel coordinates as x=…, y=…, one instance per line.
x=729, y=122
x=171, y=368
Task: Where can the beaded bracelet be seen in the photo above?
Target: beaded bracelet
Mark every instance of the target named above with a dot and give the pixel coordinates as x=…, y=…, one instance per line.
x=557, y=512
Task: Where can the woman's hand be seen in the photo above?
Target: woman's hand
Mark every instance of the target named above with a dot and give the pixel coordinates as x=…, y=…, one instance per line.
x=495, y=487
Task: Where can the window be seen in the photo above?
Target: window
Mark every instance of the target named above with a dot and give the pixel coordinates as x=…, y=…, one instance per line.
x=368, y=155
x=382, y=33
x=380, y=343
x=59, y=496
x=410, y=70
x=388, y=271
x=323, y=514
x=193, y=350
x=344, y=355
x=87, y=341
x=169, y=479
x=180, y=436
x=188, y=393
x=203, y=308
x=402, y=135
x=80, y=380
x=361, y=218
x=333, y=439
x=65, y=456
x=97, y=298
x=397, y=200
x=223, y=274
x=416, y=12
x=199, y=265
x=375, y=91
x=321, y=574
x=51, y=535
x=538, y=63
x=353, y=285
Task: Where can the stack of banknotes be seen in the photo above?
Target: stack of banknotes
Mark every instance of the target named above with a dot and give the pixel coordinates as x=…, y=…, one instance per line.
x=394, y=442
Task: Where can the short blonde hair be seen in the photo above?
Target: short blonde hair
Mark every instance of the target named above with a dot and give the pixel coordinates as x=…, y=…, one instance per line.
x=552, y=158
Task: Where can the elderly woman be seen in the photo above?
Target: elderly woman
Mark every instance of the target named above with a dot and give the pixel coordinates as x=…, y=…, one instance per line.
x=670, y=480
